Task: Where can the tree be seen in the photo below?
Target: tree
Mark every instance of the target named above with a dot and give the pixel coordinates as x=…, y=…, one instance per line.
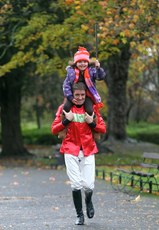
x=128, y=26
x=46, y=38
x=16, y=62
x=12, y=140
x=125, y=27
x=10, y=87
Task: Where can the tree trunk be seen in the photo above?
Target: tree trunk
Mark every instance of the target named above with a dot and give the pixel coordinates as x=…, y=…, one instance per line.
x=10, y=98
x=116, y=81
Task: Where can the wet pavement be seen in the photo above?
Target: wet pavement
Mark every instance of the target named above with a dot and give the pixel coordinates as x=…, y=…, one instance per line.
x=39, y=199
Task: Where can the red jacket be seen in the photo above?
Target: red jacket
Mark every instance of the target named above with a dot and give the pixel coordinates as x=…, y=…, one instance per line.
x=79, y=133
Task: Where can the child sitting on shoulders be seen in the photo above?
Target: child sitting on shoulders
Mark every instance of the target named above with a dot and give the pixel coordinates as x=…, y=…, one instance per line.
x=80, y=71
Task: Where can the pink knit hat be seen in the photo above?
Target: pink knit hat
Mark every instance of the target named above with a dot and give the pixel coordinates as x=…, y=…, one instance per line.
x=81, y=55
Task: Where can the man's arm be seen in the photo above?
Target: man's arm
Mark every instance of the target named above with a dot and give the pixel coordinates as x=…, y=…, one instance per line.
x=57, y=124
x=67, y=84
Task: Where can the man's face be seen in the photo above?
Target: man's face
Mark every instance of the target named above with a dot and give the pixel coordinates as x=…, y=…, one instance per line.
x=80, y=96
x=82, y=65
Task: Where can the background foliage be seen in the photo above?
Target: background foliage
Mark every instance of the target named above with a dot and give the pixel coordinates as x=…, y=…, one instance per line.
x=39, y=38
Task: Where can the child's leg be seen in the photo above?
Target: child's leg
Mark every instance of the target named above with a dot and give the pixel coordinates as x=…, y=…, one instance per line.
x=88, y=105
x=67, y=106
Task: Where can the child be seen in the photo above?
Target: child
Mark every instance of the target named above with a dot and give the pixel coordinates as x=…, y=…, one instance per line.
x=80, y=71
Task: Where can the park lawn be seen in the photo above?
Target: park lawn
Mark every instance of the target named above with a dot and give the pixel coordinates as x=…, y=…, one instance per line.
x=34, y=136
x=103, y=172
x=143, y=131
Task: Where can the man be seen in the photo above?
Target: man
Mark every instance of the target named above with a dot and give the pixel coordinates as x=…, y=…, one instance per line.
x=79, y=148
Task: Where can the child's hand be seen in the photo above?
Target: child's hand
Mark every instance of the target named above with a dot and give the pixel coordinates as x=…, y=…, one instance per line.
x=74, y=101
x=97, y=64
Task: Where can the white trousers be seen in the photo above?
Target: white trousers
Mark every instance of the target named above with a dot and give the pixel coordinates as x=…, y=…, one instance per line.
x=80, y=170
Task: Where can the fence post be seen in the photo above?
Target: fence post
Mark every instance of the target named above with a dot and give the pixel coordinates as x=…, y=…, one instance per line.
x=150, y=186
x=111, y=177
x=120, y=179
x=132, y=181
x=103, y=175
x=141, y=185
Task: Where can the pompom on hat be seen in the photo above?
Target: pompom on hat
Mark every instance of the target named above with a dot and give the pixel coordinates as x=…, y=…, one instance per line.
x=81, y=55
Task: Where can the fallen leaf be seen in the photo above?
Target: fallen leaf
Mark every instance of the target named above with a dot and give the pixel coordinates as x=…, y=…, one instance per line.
x=52, y=178
x=25, y=173
x=56, y=208
x=137, y=199
x=16, y=183
x=67, y=182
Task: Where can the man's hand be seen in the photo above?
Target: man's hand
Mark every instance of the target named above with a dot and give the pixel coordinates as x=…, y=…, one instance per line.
x=88, y=118
x=69, y=116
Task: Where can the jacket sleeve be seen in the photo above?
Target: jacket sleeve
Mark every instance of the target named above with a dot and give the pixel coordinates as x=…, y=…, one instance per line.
x=67, y=84
x=100, y=124
x=57, y=125
x=101, y=74
x=98, y=74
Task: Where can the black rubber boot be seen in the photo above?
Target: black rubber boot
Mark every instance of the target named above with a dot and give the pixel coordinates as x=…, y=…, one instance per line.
x=77, y=199
x=89, y=204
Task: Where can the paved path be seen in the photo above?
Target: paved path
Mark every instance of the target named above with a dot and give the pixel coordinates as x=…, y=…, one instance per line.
x=39, y=199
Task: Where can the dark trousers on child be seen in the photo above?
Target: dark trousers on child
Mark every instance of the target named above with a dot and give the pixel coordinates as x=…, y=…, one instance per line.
x=88, y=105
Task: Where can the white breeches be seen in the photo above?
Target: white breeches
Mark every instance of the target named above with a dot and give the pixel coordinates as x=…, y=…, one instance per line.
x=80, y=170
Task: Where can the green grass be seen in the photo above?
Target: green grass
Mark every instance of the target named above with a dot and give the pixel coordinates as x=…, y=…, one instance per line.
x=42, y=136
x=103, y=172
x=140, y=131
x=116, y=159
x=143, y=131
x=126, y=179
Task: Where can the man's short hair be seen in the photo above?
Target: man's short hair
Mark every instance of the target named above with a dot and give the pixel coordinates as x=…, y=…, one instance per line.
x=78, y=86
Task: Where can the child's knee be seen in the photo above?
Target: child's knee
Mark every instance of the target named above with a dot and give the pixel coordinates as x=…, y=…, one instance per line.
x=89, y=110
x=67, y=106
